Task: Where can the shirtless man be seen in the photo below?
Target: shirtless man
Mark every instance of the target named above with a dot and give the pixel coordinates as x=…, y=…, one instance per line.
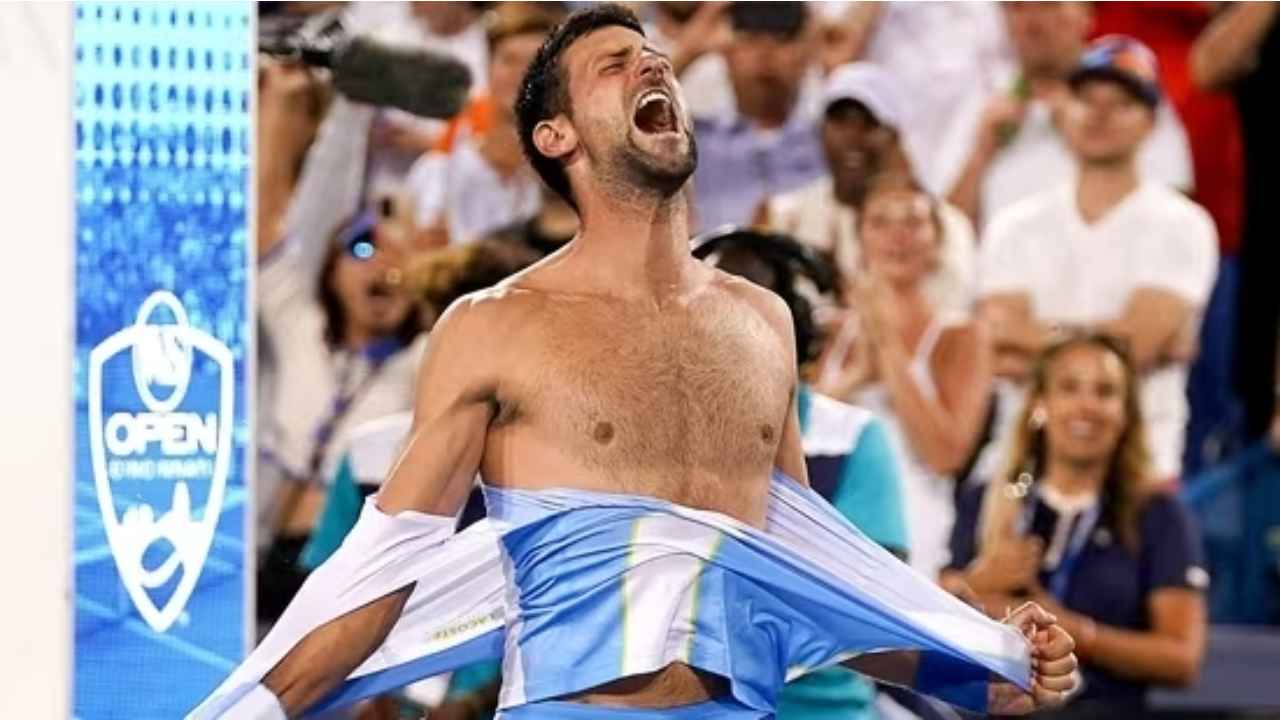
x=619, y=364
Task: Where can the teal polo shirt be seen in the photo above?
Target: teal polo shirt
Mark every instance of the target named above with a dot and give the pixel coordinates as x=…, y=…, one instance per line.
x=852, y=465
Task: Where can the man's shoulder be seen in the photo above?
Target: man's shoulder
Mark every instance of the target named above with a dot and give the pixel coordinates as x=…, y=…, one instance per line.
x=1166, y=204
x=489, y=312
x=754, y=297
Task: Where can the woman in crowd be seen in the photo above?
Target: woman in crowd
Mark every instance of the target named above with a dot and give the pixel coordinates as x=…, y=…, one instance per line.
x=925, y=372
x=344, y=349
x=339, y=337
x=1076, y=524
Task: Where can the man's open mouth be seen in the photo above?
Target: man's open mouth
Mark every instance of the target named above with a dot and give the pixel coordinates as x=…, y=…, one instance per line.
x=655, y=113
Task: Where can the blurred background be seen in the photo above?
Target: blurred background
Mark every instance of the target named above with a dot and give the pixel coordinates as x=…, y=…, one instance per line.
x=1037, y=243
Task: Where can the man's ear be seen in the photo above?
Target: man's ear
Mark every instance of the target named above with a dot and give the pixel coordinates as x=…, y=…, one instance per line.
x=556, y=137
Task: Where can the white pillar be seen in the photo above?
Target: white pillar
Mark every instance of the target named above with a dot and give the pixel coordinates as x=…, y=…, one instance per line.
x=36, y=351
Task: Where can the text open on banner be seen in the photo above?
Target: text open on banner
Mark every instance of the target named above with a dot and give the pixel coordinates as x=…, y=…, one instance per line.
x=162, y=149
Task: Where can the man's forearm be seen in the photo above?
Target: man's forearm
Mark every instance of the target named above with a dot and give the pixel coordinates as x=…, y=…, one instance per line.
x=1228, y=48
x=327, y=655
x=966, y=192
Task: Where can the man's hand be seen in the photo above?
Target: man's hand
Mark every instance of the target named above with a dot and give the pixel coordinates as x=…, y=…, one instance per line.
x=1000, y=120
x=706, y=32
x=1053, y=665
x=289, y=108
x=390, y=132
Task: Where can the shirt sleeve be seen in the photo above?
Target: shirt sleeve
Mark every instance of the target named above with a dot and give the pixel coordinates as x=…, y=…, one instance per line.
x=1183, y=257
x=426, y=186
x=285, y=280
x=331, y=185
x=1172, y=555
x=1165, y=157
x=869, y=493
x=964, y=533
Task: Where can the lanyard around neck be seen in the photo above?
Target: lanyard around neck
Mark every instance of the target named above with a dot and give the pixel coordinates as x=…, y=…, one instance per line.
x=1060, y=579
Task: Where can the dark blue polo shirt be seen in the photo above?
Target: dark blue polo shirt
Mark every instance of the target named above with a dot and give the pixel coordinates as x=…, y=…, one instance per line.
x=1109, y=583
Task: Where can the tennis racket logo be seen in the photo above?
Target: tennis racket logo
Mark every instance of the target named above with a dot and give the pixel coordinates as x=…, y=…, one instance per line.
x=160, y=395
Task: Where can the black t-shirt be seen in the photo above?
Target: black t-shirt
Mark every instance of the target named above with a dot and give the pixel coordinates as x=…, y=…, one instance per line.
x=1109, y=583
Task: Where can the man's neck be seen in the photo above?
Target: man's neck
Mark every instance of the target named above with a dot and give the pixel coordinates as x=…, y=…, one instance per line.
x=637, y=244
x=1102, y=186
x=356, y=339
x=1046, y=85
x=850, y=195
x=556, y=219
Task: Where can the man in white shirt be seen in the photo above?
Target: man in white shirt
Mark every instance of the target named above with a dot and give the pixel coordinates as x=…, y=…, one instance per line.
x=1003, y=148
x=942, y=53
x=1110, y=250
x=862, y=137
x=485, y=182
x=766, y=143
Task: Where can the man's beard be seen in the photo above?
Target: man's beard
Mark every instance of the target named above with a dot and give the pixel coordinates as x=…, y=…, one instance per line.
x=662, y=175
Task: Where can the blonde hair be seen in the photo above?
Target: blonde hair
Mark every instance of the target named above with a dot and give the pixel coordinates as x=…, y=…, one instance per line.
x=1125, y=488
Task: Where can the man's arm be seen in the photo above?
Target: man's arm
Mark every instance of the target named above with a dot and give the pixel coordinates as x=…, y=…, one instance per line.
x=790, y=458
x=999, y=119
x=790, y=455
x=434, y=474
x=287, y=120
x=1156, y=323
x=1016, y=335
x=1052, y=666
x=1228, y=49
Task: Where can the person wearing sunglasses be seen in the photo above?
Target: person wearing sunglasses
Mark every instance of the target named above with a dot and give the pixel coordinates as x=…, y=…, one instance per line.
x=1074, y=523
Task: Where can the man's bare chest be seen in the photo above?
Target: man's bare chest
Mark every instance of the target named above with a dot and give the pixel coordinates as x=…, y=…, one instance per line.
x=692, y=388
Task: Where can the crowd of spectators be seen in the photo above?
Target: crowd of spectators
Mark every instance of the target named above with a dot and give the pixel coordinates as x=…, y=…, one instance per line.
x=1030, y=246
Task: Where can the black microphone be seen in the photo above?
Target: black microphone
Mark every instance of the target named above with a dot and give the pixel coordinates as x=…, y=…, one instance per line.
x=417, y=81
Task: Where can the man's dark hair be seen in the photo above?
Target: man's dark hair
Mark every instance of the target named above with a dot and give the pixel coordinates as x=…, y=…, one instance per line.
x=784, y=20
x=544, y=92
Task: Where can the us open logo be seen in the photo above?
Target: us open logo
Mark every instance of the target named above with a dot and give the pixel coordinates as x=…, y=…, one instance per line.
x=158, y=431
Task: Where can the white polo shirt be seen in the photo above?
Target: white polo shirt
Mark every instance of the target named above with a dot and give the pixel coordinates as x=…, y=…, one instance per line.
x=464, y=191
x=1078, y=273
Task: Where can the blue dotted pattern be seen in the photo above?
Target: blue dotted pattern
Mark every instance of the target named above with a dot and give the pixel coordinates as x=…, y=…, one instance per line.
x=162, y=152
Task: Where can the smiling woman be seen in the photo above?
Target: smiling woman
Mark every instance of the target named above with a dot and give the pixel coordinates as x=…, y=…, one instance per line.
x=1076, y=524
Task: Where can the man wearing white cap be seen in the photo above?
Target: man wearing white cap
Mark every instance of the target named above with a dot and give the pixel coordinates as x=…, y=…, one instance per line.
x=863, y=114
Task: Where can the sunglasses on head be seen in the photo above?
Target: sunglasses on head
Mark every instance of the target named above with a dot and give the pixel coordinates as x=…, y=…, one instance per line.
x=362, y=247
x=358, y=239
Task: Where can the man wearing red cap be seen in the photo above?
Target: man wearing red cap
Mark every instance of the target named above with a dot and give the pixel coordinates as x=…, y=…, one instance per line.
x=1109, y=251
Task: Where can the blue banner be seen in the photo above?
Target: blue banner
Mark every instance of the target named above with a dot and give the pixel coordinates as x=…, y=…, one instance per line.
x=163, y=348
